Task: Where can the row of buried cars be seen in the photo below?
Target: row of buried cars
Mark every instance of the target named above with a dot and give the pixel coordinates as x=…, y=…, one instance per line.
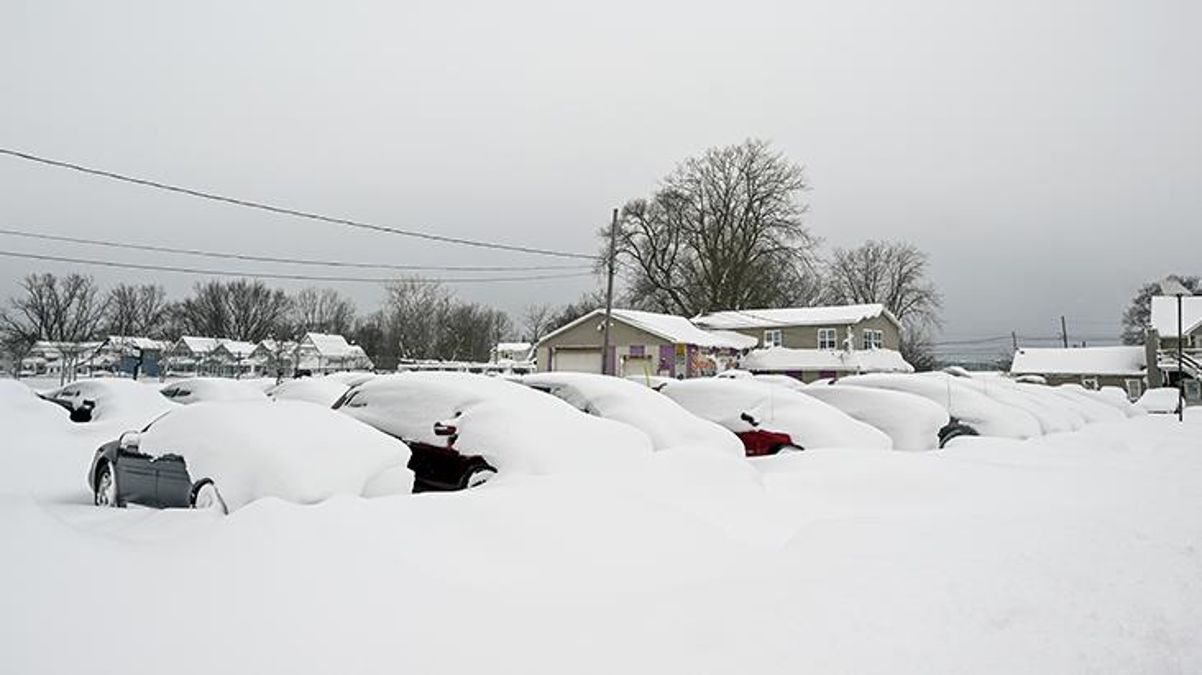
x=219, y=443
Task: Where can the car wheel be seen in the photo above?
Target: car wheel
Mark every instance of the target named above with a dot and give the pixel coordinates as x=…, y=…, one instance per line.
x=105, y=493
x=205, y=495
x=478, y=476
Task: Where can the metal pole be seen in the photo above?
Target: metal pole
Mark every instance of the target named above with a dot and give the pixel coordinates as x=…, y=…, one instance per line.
x=1180, y=364
x=609, y=295
x=1064, y=331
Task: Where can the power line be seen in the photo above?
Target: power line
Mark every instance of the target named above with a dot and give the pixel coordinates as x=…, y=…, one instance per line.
x=291, y=261
x=268, y=275
x=158, y=185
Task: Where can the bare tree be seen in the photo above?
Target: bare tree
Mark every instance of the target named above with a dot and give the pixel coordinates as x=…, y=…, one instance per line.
x=414, y=313
x=66, y=311
x=568, y=313
x=241, y=309
x=322, y=310
x=536, y=321
x=1138, y=314
x=723, y=231
x=137, y=310
x=894, y=274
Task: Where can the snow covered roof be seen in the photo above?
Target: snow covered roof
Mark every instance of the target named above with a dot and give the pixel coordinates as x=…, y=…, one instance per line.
x=132, y=342
x=198, y=345
x=792, y=316
x=1164, y=314
x=513, y=346
x=1079, y=361
x=784, y=359
x=332, y=345
x=237, y=348
x=675, y=329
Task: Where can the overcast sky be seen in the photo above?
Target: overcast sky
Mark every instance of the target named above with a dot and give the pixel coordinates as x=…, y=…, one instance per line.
x=1048, y=155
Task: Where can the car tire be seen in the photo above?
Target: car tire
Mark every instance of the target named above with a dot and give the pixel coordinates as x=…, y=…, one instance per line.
x=205, y=495
x=955, y=430
x=477, y=476
x=105, y=491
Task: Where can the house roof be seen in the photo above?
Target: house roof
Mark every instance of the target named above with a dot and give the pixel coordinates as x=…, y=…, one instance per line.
x=835, y=315
x=237, y=348
x=674, y=329
x=133, y=342
x=1079, y=361
x=784, y=359
x=196, y=344
x=1164, y=314
x=329, y=345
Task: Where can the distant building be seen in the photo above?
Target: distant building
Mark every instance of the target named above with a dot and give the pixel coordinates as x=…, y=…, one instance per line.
x=641, y=343
x=324, y=353
x=192, y=356
x=1091, y=367
x=129, y=355
x=809, y=365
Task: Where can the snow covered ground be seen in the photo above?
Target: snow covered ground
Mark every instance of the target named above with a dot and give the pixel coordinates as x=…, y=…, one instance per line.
x=1071, y=553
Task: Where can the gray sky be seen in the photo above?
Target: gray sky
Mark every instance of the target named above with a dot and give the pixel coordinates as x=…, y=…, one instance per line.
x=1048, y=155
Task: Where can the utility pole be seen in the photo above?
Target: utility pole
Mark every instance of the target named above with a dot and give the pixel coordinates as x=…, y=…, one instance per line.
x=1064, y=331
x=609, y=295
x=1014, y=341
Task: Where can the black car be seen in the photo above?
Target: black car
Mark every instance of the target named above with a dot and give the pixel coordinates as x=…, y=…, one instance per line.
x=435, y=468
x=120, y=474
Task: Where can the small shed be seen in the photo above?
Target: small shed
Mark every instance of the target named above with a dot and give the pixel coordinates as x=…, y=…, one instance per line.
x=1091, y=367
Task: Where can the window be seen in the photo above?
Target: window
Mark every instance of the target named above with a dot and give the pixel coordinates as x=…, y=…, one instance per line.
x=827, y=338
x=1134, y=388
x=773, y=338
x=874, y=339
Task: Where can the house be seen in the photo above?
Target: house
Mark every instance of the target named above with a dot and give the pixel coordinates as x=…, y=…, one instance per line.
x=811, y=343
x=511, y=351
x=324, y=353
x=641, y=343
x=1161, y=345
x=229, y=358
x=129, y=355
x=272, y=357
x=1091, y=367
x=868, y=326
x=192, y=355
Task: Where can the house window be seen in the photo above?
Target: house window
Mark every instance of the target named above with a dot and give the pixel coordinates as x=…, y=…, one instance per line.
x=1090, y=383
x=874, y=339
x=773, y=338
x=1135, y=388
x=827, y=338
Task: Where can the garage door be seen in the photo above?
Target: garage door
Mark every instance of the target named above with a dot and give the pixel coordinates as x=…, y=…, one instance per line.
x=577, y=360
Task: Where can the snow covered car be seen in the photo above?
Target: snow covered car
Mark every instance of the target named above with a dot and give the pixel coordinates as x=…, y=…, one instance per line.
x=462, y=428
x=324, y=391
x=663, y=420
x=972, y=412
x=196, y=389
x=769, y=418
x=226, y=454
x=913, y=422
x=109, y=398
x=1160, y=401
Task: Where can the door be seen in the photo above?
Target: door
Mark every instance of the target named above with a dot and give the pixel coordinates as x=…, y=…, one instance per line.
x=577, y=360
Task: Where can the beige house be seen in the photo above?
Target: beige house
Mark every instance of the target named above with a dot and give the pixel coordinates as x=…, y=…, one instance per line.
x=641, y=343
x=1091, y=367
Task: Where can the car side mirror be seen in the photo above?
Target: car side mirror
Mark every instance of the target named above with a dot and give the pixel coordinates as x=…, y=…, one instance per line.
x=443, y=429
x=749, y=419
x=130, y=440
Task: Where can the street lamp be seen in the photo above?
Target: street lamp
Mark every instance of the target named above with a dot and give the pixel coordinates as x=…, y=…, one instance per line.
x=1172, y=286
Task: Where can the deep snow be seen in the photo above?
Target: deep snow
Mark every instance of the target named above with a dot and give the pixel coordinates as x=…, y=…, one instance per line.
x=1076, y=552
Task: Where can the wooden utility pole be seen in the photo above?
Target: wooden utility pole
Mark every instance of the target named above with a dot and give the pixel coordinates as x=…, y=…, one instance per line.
x=1064, y=331
x=609, y=295
x=1014, y=341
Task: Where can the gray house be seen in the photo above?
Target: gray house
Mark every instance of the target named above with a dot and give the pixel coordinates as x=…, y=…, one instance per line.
x=641, y=343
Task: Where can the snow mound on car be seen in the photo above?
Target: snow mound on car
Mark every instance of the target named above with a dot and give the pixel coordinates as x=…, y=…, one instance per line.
x=128, y=402
x=662, y=419
x=514, y=427
x=213, y=389
x=810, y=422
x=988, y=416
x=20, y=405
x=911, y=421
x=322, y=391
x=286, y=449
